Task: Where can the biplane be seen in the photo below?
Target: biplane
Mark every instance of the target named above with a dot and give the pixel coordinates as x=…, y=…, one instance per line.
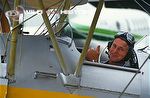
x=50, y=64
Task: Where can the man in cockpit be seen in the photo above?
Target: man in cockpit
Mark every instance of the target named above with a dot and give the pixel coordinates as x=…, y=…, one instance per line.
x=120, y=51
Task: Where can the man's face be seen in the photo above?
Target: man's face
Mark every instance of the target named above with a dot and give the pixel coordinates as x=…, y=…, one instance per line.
x=118, y=50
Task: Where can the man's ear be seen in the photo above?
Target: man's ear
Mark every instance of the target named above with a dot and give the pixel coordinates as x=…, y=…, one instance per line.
x=109, y=45
x=98, y=49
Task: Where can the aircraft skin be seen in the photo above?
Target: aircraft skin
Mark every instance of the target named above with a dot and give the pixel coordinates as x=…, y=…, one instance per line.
x=38, y=71
x=39, y=65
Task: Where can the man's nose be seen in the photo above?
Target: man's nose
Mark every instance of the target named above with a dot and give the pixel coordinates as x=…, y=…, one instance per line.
x=115, y=50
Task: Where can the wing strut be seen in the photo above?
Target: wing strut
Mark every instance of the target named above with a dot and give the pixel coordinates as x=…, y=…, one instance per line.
x=13, y=44
x=90, y=35
x=53, y=38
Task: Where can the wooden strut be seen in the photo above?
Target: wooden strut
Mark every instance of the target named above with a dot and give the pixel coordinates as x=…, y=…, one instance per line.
x=13, y=44
x=53, y=38
x=88, y=40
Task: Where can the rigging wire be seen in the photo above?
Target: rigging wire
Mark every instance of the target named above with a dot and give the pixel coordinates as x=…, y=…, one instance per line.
x=144, y=61
x=53, y=24
x=145, y=2
x=41, y=26
x=142, y=7
x=25, y=21
x=133, y=77
x=21, y=36
x=55, y=14
x=76, y=4
x=58, y=10
x=49, y=16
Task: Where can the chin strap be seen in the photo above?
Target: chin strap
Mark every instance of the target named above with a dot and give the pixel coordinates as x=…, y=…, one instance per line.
x=133, y=60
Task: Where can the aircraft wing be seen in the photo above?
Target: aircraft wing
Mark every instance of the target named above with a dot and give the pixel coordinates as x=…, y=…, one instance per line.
x=33, y=4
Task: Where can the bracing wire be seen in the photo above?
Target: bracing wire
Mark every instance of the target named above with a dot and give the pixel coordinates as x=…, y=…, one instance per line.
x=76, y=4
x=133, y=78
x=146, y=2
x=49, y=15
x=21, y=38
x=42, y=25
x=142, y=7
x=25, y=21
x=144, y=61
x=55, y=13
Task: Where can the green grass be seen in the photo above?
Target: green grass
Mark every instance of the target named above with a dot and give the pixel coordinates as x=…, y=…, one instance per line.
x=99, y=33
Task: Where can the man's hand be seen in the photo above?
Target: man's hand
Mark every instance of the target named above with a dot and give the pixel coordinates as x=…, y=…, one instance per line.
x=93, y=54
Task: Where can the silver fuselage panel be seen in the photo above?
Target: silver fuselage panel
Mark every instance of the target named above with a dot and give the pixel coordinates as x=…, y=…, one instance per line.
x=36, y=56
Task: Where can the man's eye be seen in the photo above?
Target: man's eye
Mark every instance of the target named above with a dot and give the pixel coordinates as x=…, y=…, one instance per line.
x=121, y=49
x=114, y=46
